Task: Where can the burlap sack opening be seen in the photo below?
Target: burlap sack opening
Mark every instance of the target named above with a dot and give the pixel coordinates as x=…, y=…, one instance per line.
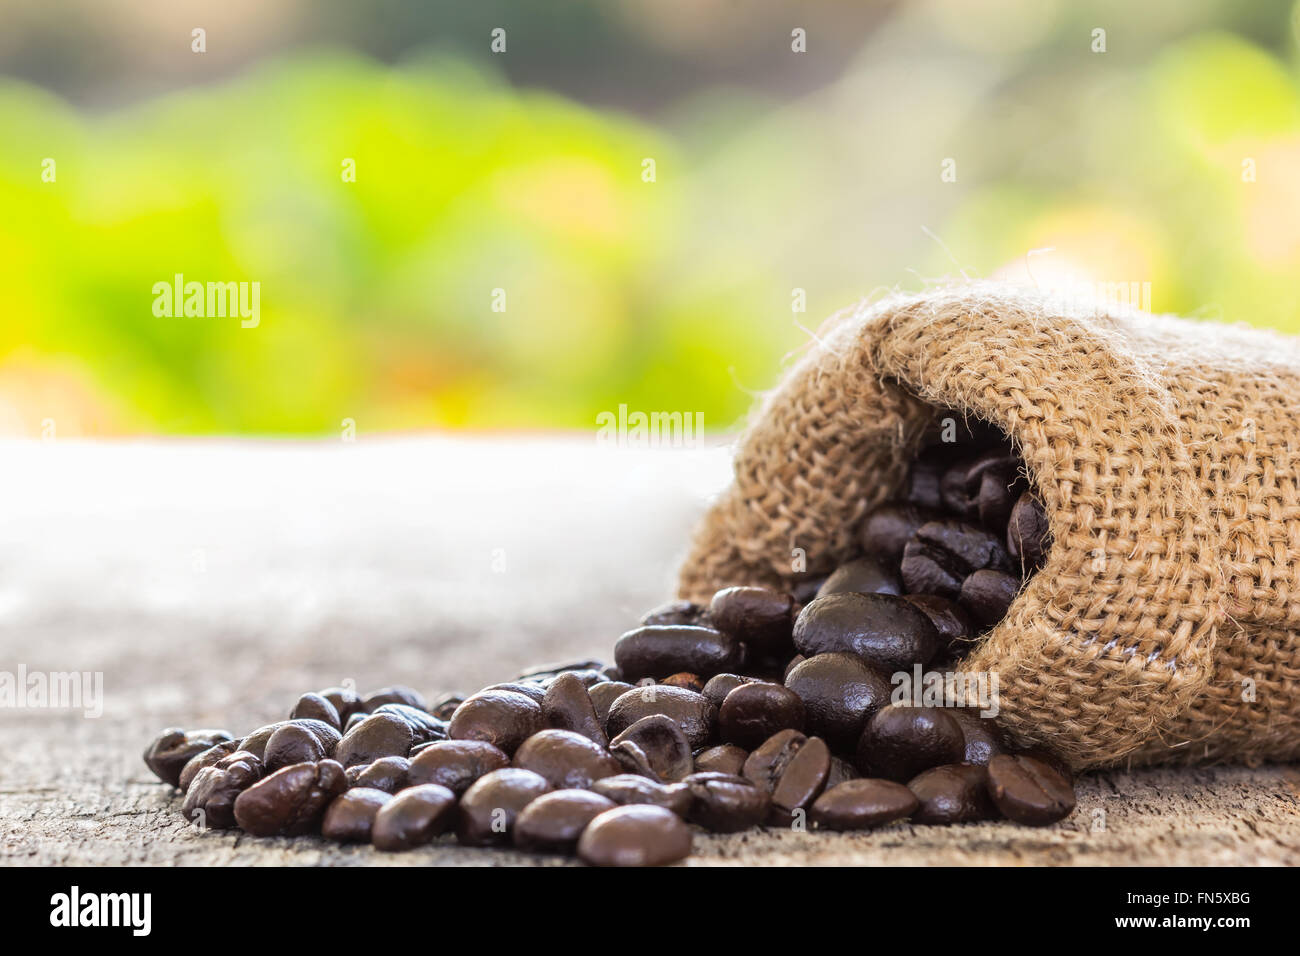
x=1162, y=627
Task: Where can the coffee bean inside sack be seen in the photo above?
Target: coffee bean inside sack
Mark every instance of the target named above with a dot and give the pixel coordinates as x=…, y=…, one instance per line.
x=808, y=710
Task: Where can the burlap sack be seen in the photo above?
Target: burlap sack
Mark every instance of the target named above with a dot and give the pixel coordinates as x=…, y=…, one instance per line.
x=1163, y=626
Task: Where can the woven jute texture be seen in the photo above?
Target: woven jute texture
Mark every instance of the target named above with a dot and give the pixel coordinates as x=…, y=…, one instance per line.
x=1163, y=627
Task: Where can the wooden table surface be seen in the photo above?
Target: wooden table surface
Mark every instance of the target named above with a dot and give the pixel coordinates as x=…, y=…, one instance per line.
x=211, y=583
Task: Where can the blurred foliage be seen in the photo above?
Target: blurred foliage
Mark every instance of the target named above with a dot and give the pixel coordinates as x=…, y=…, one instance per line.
x=674, y=295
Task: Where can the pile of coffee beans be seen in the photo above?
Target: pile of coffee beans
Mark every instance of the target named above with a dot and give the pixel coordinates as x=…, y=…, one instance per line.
x=763, y=708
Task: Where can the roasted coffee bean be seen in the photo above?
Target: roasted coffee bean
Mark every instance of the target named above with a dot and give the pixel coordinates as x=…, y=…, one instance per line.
x=805, y=589
x=503, y=718
x=397, y=694
x=354, y=721
x=413, y=817
x=794, y=662
x=886, y=531
x=553, y=822
x=692, y=712
x=862, y=804
x=676, y=613
x=757, y=617
x=726, y=804
x=212, y=794
x=316, y=707
x=455, y=764
x=489, y=808
x=883, y=629
x=954, y=793
x=688, y=681
x=566, y=760
x=543, y=671
x=533, y=691
x=255, y=743
x=959, y=489
x=1027, y=534
x=998, y=492
x=290, y=801
x=840, y=692
x=900, y=741
x=446, y=705
x=659, y=650
x=727, y=758
x=635, y=836
x=568, y=706
x=603, y=697
x=172, y=749
x=956, y=629
x=627, y=788
x=981, y=739
x=925, y=475
x=987, y=595
x=350, y=817
x=752, y=713
x=345, y=702
x=1029, y=791
x=841, y=770
x=424, y=726
x=379, y=735
x=865, y=575
x=720, y=685
x=792, y=768
x=389, y=774
x=655, y=747
x=203, y=759
x=942, y=554
x=293, y=743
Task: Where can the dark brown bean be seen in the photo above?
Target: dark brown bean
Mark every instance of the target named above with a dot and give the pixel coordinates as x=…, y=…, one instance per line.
x=720, y=685
x=981, y=737
x=389, y=774
x=502, y=718
x=840, y=692
x=655, y=747
x=955, y=793
x=692, y=711
x=554, y=821
x=379, y=735
x=425, y=727
x=294, y=743
x=413, y=817
x=203, y=759
x=1028, y=791
x=629, y=788
x=959, y=488
x=659, y=650
x=172, y=749
x=942, y=554
x=862, y=804
x=726, y=758
x=530, y=689
x=883, y=629
x=987, y=595
x=456, y=764
x=1028, y=537
x=316, y=707
x=635, y=836
x=900, y=741
x=757, y=617
x=675, y=613
x=397, y=694
x=566, y=760
x=726, y=804
x=290, y=801
x=344, y=701
x=212, y=794
x=955, y=628
x=603, y=697
x=351, y=815
x=489, y=808
x=567, y=706
x=865, y=575
x=255, y=743
x=753, y=712
x=886, y=531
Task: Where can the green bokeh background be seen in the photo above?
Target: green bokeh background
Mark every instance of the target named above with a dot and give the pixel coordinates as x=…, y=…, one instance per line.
x=775, y=171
